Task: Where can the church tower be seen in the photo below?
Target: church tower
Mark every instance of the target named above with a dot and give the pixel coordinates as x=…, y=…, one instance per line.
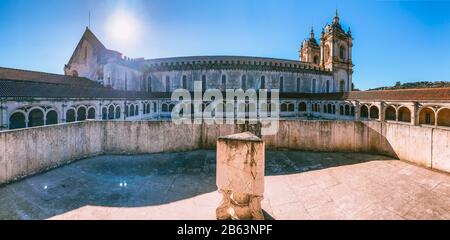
x=336, y=54
x=310, y=50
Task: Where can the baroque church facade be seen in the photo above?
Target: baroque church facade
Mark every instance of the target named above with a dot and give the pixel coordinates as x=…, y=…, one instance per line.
x=102, y=84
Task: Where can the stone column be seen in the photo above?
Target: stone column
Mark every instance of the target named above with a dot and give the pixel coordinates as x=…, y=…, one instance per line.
x=4, y=117
x=100, y=111
x=338, y=110
x=63, y=113
x=124, y=112
x=357, y=112
x=416, y=114
x=141, y=110
x=240, y=177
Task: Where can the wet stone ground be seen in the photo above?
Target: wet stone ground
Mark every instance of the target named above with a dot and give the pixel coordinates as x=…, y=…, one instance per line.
x=299, y=185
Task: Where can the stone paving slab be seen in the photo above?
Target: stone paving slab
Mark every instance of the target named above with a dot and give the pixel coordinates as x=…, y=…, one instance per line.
x=299, y=185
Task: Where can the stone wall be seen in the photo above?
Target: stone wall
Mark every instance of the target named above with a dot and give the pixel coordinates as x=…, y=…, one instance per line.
x=25, y=152
x=28, y=151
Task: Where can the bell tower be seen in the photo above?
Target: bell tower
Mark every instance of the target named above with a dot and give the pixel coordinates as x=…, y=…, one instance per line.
x=310, y=50
x=336, y=54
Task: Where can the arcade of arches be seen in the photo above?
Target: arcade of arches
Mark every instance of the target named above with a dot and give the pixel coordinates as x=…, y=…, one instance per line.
x=428, y=115
x=41, y=115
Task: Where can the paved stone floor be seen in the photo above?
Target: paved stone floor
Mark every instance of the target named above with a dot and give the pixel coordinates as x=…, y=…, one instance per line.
x=299, y=185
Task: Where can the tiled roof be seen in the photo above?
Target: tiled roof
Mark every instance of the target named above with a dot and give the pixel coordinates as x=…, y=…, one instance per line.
x=32, y=76
x=16, y=83
x=432, y=94
x=18, y=89
x=403, y=94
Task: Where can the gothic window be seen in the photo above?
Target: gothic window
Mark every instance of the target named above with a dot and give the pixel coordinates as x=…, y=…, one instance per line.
x=244, y=82
x=184, y=82
x=224, y=82
x=342, y=86
x=204, y=83
x=327, y=52
x=147, y=109
x=167, y=84
x=131, y=110
x=281, y=84
x=328, y=86
x=149, y=84
x=126, y=81
x=342, y=52
x=117, y=112
x=263, y=82
x=316, y=59
x=314, y=85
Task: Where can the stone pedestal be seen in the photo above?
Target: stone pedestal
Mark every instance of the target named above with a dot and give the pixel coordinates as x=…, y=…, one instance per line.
x=240, y=176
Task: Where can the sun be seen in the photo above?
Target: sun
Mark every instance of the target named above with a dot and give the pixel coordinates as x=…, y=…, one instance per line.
x=123, y=27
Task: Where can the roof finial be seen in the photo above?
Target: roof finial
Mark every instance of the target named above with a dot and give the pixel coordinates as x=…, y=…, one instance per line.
x=312, y=32
x=336, y=18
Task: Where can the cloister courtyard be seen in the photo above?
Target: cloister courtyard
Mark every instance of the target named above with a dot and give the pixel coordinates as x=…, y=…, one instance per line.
x=298, y=185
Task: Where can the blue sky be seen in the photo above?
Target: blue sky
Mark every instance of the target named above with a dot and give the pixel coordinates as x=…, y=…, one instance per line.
x=393, y=40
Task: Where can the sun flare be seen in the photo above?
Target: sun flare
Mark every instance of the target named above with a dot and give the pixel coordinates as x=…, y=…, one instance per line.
x=123, y=27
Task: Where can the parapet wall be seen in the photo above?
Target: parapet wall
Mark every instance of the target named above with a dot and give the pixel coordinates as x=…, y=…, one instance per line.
x=28, y=151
